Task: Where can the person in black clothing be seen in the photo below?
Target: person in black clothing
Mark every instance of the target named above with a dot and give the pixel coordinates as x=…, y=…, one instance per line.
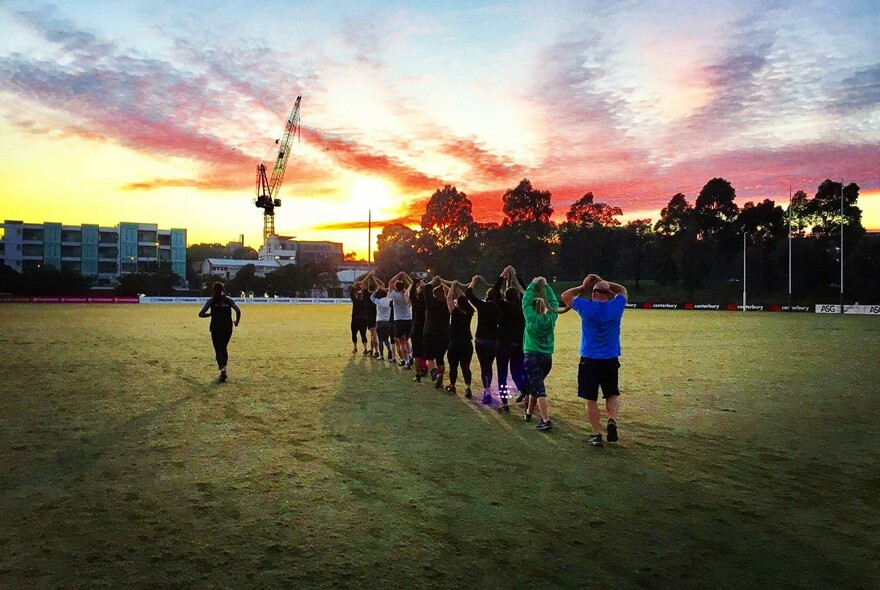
x=436, y=330
x=461, y=349
x=511, y=326
x=417, y=302
x=369, y=285
x=358, y=317
x=486, y=338
x=219, y=308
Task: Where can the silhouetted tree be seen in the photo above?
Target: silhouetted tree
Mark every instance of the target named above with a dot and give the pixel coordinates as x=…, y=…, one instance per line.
x=584, y=212
x=525, y=204
x=397, y=247
x=714, y=208
x=448, y=216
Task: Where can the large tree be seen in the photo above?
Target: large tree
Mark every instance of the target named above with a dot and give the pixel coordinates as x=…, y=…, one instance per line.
x=714, y=208
x=397, y=250
x=526, y=204
x=585, y=212
x=764, y=221
x=675, y=217
x=824, y=210
x=448, y=216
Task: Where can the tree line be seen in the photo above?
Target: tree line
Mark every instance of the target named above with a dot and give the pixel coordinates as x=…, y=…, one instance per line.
x=695, y=249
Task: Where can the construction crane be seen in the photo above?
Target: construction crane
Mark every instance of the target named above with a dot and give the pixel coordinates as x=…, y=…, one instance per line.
x=267, y=192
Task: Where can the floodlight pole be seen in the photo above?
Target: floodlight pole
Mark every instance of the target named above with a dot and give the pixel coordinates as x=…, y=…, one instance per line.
x=744, y=271
x=841, y=245
x=789, y=247
x=369, y=234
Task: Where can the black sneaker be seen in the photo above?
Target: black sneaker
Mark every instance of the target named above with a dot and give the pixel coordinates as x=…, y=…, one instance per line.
x=544, y=425
x=504, y=409
x=222, y=378
x=434, y=374
x=520, y=397
x=487, y=398
x=468, y=393
x=368, y=352
x=527, y=416
x=438, y=383
x=595, y=440
x=612, y=431
x=451, y=388
x=418, y=378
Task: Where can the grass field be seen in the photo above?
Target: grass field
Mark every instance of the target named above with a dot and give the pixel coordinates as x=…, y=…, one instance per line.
x=749, y=457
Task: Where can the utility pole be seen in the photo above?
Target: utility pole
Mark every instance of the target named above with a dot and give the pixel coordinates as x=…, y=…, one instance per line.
x=744, y=271
x=841, y=245
x=789, y=247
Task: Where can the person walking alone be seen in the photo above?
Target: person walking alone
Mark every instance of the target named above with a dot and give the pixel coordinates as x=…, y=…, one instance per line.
x=219, y=308
x=600, y=349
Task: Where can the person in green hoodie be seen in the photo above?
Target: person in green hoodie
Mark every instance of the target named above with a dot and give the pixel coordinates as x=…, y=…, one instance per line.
x=539, y=306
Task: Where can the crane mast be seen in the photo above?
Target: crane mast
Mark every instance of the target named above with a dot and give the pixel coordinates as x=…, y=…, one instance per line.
x=267, y=191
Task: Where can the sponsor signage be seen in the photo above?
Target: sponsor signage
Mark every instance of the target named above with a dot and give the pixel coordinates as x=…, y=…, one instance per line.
x=68, y=300
x=252, y=301
x=848, y=309
x=690, y=306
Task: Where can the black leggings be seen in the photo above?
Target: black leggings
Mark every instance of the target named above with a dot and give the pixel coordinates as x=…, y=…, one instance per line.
x=220, y=338
x=460, y=354
x=486, y=356
x=358, y=325
x=512, y=354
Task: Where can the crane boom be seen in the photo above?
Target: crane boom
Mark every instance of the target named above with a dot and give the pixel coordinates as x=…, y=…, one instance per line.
x=267, y=192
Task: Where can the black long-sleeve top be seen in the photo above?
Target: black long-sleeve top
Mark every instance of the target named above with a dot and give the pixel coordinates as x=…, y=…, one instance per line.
x=417, y=303
x=358, y=306
x=436, y=314
x=460, y=324
x=487, y=316
x=511, y=322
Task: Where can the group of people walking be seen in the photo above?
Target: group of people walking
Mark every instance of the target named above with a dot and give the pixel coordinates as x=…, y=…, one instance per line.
x=426, y=326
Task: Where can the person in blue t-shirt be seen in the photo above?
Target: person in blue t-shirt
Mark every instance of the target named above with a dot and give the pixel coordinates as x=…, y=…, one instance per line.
x=600, y=349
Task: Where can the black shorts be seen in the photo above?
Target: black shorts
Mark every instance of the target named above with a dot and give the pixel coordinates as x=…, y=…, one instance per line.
x=596, y=373
x=435, y=348
x=384, y=329
x=371, y=323
x=402, y=328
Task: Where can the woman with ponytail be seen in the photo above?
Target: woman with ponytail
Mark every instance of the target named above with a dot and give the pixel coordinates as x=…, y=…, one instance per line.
x=539, y=305
x=219, y=308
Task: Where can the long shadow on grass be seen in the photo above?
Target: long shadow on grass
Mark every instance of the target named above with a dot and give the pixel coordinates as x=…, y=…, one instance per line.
x=444, y=494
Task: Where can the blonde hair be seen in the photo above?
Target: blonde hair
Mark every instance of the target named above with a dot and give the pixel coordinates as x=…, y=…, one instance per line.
x=540, y=306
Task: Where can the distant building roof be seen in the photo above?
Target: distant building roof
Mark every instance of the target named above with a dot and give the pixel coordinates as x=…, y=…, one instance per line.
x=231, y=262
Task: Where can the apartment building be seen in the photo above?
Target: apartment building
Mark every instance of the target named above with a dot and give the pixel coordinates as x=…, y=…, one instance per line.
x=103, y=253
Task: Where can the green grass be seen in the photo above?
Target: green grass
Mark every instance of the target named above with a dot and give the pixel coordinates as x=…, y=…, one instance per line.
x=749, y=457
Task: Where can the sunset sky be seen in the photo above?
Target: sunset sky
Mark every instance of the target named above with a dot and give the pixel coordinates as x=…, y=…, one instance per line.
x=159, y=111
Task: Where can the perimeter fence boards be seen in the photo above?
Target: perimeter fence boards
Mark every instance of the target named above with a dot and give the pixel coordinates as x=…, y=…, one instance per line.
x=16, y=299
x=253, y=300
x=817, y=308
x=849, y=309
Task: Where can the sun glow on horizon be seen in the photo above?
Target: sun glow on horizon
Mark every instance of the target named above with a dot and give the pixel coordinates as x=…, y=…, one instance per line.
x=374, y=194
